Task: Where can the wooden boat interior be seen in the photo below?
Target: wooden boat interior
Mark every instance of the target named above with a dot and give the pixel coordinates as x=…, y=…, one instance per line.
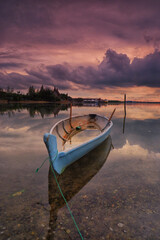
x=74, y=131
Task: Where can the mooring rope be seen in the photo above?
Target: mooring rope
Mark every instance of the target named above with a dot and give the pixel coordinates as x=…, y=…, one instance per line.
x=41, y=165
x=61, y=192
x=66, y=201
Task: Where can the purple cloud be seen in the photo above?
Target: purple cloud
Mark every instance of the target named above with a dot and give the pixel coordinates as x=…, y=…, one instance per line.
x=63, y=23
x=18, y=81
x=115, y=70
x=11, y=65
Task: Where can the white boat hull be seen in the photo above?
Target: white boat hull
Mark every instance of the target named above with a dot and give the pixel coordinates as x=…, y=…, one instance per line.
x=63, y=159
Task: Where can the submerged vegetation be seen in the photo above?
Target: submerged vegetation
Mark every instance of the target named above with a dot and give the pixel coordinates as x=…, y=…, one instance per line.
x=42, y=94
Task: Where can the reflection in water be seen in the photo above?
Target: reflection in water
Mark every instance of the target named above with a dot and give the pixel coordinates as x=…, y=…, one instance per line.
x=33, y=109
x=73, y=179
x=126, y=190
x=124, y=119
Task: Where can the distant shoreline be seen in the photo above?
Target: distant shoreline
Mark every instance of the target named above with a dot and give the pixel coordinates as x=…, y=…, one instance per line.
x=131, y=102
x=110, y=102
x=31, y=101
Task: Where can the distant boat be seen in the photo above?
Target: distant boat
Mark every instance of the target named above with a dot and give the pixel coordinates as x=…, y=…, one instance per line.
x=72, y=138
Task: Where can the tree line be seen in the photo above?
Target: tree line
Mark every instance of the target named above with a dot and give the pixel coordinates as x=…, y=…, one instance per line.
x=42, y=94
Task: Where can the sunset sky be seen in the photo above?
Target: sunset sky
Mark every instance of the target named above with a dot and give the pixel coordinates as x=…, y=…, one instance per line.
x=90, y=48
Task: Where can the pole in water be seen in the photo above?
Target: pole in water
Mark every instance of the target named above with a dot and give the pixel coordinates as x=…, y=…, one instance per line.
x=124, y=104
x=111, y=115
x=70, y=119
x=124, y=120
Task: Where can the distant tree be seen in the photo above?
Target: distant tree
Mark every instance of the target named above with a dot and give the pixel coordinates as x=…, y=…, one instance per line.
x=46, y=94
x=64, y=96
x=8, y=89
x=79, y=99
x=31, y=92
x=42, y=89
x=12, y=90
x=41, y=93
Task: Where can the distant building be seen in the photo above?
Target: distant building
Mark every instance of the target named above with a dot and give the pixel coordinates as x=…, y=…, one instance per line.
x=90, y=100
x=94, y=101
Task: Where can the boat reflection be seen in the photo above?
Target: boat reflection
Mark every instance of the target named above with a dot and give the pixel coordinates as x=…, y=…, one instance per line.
x=73, y=179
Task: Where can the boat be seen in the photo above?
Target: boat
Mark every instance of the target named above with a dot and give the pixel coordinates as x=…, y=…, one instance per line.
x=72, y=138
x=73, y=179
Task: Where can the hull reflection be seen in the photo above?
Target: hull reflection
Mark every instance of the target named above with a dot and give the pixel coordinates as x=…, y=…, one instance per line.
x=73, y=179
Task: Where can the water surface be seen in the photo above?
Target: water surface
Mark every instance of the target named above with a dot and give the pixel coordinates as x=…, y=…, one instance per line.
x=113, y=192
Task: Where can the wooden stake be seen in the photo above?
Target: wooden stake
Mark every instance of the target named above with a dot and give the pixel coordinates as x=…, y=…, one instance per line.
x=124, y=98
x=124, y=120
x=111, y=115
x=125, y=104
x=70, y=120
x=70, y=110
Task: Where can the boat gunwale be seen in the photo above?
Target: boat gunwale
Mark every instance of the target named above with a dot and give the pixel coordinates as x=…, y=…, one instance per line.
x=87, y=142
x=68, y=118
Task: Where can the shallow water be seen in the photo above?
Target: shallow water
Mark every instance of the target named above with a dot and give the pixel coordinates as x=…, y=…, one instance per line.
x=113, y=192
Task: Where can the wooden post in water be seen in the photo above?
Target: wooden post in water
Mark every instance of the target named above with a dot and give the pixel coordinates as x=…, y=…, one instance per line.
x=70, y=118
x=70, y=111
x=111, y=115
x=124, y=120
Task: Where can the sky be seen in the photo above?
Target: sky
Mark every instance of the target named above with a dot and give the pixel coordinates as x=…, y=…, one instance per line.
x=91, y=48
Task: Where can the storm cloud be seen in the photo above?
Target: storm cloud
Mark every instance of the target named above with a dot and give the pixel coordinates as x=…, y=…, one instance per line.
x=11, y=65
x=59, y=43
x=116, y=70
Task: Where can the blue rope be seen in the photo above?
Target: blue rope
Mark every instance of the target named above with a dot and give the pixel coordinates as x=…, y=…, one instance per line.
x=61, y=192
x=41, y=165
x=65, y=200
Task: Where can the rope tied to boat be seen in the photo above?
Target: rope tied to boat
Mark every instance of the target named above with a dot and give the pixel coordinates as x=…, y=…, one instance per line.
x=45, y=161
x=61, y=192
x=41, y=165
x=65, y=201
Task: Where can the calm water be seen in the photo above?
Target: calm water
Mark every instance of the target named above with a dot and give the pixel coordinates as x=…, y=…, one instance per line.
x=113, y=192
